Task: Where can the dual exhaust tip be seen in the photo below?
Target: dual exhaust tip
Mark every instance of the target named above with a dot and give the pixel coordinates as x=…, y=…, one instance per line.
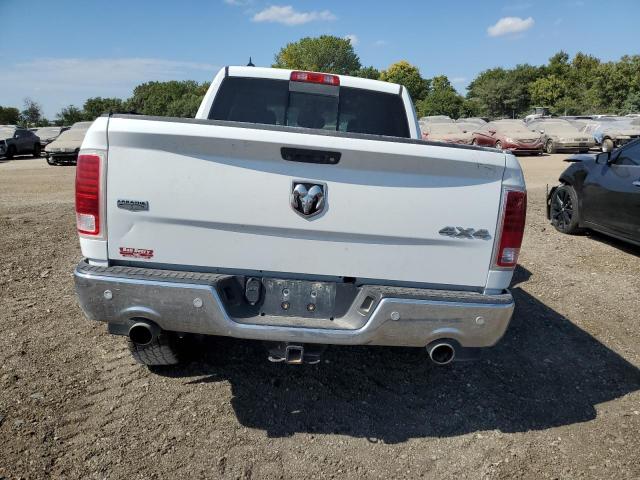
x=143, y=332
x=441, y=352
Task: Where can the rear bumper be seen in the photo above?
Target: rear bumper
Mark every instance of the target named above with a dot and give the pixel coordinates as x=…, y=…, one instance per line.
x=192, y=302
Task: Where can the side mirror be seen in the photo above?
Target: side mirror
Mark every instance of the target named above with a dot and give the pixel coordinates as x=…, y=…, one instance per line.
x=603, y=158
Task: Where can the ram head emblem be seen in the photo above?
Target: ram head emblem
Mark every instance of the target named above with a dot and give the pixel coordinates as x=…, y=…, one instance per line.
x=308, y=199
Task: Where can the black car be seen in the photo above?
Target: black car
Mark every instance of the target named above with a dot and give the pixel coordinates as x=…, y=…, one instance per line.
x=599, y=192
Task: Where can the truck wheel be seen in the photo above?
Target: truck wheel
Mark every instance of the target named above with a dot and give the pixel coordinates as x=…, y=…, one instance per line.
x=607, y=145
x=549, y=147
x=11, y=152
x=161, y=351
x=37, y=149
x=564, y=210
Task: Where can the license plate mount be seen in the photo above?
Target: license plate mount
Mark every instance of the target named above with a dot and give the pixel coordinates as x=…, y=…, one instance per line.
x=298, y=298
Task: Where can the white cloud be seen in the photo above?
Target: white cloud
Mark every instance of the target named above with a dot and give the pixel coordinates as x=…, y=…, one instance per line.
x=353, y=38
x=510, y=25
x=57, y=82
x=380, y=43
x=238, y=3
x=288, y=16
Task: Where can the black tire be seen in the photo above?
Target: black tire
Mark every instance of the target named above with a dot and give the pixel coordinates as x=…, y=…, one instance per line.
x=607, y=145
x=499, y=145
x=10, y=152
x=549, y=147
x=584, y=150
x=563, y=210
x=51, y=161
x=161, y=351
x=37, y=150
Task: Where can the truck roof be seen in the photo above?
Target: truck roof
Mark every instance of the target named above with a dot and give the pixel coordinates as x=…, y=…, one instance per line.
x=285, y=74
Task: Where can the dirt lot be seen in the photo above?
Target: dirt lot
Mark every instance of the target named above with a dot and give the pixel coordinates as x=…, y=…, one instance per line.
x=557, y=398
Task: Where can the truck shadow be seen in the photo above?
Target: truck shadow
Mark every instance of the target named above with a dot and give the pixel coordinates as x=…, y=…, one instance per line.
x=545, y=373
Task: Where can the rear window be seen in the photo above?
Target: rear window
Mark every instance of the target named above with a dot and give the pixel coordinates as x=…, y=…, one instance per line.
x=344, y=109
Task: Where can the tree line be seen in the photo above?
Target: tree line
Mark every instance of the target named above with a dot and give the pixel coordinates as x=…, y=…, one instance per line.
x=567, y=86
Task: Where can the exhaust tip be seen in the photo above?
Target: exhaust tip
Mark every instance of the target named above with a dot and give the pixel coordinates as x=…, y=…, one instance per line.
x=442, y=353
x=142, y=333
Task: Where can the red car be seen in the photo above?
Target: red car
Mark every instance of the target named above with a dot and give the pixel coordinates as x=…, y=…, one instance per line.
x=509, y=135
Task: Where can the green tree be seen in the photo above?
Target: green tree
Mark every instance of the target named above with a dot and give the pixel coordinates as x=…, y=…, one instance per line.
x=368, y=72
x=442, y=99
x=31, y=115
x=548, y=91
x=96, y=106
x=9, y=115
x=69, y=115
x=173, y=98
x=325, y=53
x=404, y=73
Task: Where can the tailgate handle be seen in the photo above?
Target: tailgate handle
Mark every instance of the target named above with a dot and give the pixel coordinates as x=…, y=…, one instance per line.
x=310, y=156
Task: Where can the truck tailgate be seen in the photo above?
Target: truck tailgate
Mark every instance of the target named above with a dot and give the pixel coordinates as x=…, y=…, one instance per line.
x=219, y=197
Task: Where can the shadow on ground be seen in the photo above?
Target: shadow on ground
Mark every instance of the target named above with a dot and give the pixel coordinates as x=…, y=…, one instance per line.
x=614, y=242
x=546, y=372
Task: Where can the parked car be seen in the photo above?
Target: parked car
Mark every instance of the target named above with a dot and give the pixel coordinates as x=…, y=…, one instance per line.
x=18, y=141
x=561, y=135
x=611, y=132
x=65, y=148
x=274, y=215
x=49, y=134
x=446, y=132
x=472, y=120
x=435, y=119
x=537, y=112
x=511, y=135
x=599, y=192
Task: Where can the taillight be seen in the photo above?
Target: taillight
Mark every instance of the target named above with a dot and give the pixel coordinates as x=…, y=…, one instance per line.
x=315, y=77
x=88, y=183
x=513, y=215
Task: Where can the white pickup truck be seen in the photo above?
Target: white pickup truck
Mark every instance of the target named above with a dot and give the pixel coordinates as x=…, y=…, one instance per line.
x=297, y=208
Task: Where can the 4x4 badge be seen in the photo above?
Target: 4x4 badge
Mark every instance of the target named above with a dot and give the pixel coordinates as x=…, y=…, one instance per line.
x=462, y=232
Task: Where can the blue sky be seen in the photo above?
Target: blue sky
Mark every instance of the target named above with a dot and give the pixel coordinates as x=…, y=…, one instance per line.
x=62, y=52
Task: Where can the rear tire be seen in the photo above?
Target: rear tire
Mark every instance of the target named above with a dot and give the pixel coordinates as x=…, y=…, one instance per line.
x=607, y=145
x=10, y=152
x=564, y=213
x=37, y=150
x=549, y=147
x=161, y=351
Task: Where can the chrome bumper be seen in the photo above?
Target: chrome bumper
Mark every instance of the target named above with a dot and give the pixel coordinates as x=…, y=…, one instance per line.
x=191, y=302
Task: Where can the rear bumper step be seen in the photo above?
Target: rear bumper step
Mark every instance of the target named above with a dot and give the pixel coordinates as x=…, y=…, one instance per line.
x=193, y=302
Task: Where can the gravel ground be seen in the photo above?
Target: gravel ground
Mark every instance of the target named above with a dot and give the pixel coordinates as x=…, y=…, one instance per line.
x=557, y=398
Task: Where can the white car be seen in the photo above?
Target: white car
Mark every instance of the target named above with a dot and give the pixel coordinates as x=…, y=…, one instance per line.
x=301, y=209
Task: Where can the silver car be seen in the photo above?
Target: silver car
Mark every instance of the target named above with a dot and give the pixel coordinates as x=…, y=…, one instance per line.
x=561, y=135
